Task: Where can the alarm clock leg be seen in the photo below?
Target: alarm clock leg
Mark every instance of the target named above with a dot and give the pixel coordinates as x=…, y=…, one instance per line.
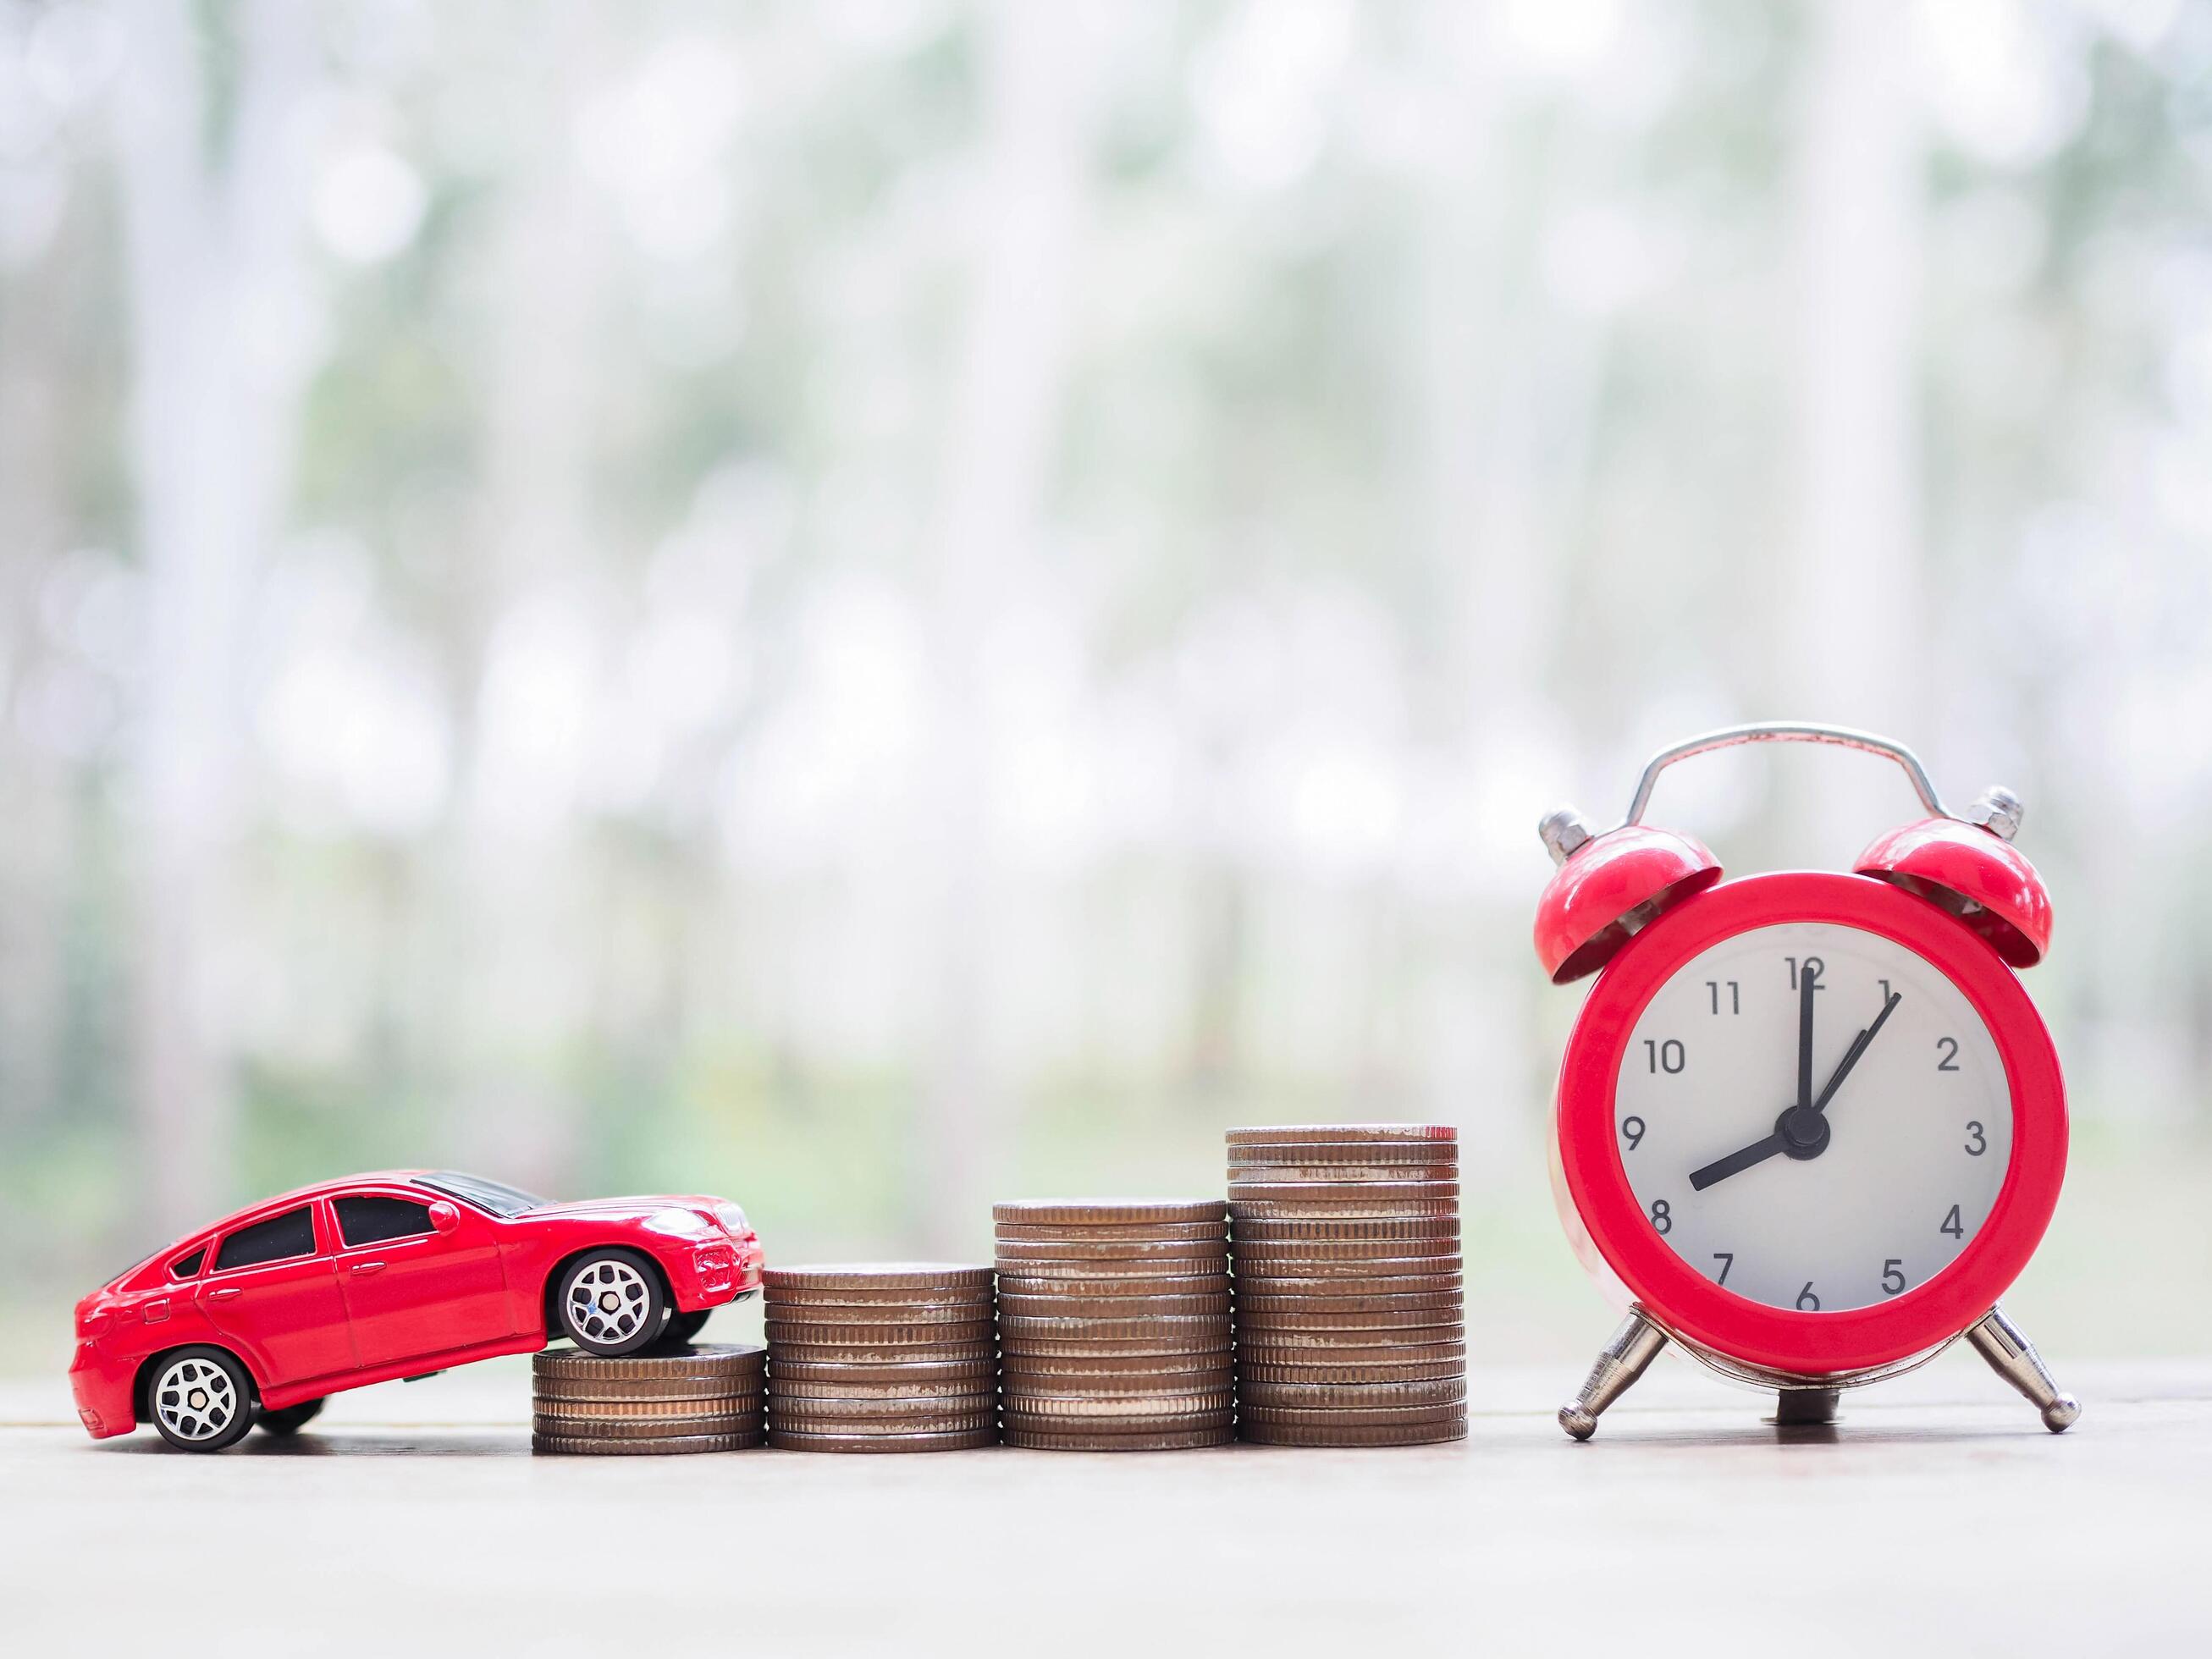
x=1619, y=1363
x=2014, y=1357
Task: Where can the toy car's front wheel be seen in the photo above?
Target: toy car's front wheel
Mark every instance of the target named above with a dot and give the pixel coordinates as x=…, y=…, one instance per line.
x=291, y=1420
x=611, y=1302
x=201, y=1399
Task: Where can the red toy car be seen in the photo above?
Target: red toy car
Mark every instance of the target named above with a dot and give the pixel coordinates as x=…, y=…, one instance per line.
x=261, y=1315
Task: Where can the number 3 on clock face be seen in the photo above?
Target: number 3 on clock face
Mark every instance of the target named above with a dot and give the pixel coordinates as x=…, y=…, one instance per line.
x=1813, y=1116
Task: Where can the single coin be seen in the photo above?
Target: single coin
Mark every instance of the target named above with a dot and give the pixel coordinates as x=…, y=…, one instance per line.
x=675, y=1388
x=1079, y=1232
x=880, y=1334
x=707, y=1360
x=1255, y=1229
x=796, y=1410
x=640, y=1410
x=1078, y=1251
x=1340, y=1296
x=1299, y=1416
x=663, y=1428
x=1032, y=1268
x=1354, y=1435
x=923, y=1371
x=1104, y=1406
x=575, y=1446
x=966, y=1388
x=1444, y=1391
x=1256, y=1371
x=1340, y=1192
x=1097, y=1370
x=1244, y=1176
x=1117, y=1307
x=1218, y=1379
x=785, y=1421
x=968, y=1351
x=1117, y=1424
x=1346, y=1255
x=1348, y=1348
x=1244, y=1153
x=1108, y=1212
x=1248, y=1210
x=1347, y=1319
x=1291, y=1278
x=1092, y=1441
x=878, y=1315
x=955, y=1440
x=878, y=1274
x=1150, y=1345
x=1257, y=1341
x=1291, y=1135
x=1162, y=1327
x=1115, y=1288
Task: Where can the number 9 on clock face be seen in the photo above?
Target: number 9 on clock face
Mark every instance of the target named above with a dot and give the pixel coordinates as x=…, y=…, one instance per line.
x=1813, y=1117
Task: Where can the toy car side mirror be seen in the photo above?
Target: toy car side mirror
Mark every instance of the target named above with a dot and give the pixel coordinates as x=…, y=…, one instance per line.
x=443, y=1217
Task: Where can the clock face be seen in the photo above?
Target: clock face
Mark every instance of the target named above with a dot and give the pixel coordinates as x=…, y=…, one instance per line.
x=1756, y=1183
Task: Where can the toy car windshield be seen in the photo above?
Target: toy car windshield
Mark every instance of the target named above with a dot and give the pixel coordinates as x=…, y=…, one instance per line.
x=495, y=1196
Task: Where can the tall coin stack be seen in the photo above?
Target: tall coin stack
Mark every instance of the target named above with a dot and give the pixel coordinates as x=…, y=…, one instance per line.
x=692, y=1400
x=1113, y=1317
x=1350, y=1313
x=881, y=1357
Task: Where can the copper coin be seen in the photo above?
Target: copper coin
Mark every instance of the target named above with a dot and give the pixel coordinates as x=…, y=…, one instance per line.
x=1293, y=1134
x=1218, y=1420
x=1251, y=1372
x=1116, y=1307
x=640, y=1410
x=1115, y=1288
x=1164, y=1327
x=923, y=1371
x=958, y=1440
x=1244, y=1153
x=1279, y=1345
x=786, y=1421
x=1339, y=1295
x=574, y=1446
x=1217, y=1380
x=968, y=1351
x=1323, y=1231
x=1243, y=1177
x=1375, y=1209
x=1151, y=1344
x=966, y=1388
x=660, y=1428
x=1340, y=1192
x=1161, y=1267
x=1353, y=1435
x=1302, y=1417
x=1028, y=1370
x=880, y=1276
x=1089, y=1441
x=882, y=1335
x=1117, y=1251
x=878, y=1315
x=1349, y=1319
x=797, y=1410
x=1107, y=1211
x=709, y=1360
x=1118, y=1404
x=1346, y=1255
x=673, y=1388
x=1336, y=1396
x=1079, y=1232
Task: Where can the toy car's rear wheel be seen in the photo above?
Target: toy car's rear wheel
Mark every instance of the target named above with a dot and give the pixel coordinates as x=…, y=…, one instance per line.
x=611, y=1302
x=201, y=1399
x=291, y=1420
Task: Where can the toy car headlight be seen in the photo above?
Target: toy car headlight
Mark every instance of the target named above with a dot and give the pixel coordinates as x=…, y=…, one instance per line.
x=732, y=1220
x=673, y=1220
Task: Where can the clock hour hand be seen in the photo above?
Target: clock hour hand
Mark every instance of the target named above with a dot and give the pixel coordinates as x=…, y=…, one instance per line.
x=1735, y=1162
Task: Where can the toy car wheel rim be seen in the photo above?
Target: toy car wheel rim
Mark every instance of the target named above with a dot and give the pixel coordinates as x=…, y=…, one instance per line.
x=609, y=1300
x=195, y=1400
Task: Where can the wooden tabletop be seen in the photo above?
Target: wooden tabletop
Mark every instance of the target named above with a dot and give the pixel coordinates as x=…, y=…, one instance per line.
x=412, y=1519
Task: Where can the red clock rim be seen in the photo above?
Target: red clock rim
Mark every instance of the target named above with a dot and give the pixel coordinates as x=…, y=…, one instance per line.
x=1685, y=1300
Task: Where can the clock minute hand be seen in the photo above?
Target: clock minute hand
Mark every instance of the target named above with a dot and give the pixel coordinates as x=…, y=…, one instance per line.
x=1851, y=1055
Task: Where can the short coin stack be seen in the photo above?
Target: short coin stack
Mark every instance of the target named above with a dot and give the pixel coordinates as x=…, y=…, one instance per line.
x=1349, y=1314
x=1114, y=1316
x=689, y=1400
x=881, y=1357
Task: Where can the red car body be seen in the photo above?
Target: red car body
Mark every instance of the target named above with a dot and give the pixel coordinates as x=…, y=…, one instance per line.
x=344, y=1316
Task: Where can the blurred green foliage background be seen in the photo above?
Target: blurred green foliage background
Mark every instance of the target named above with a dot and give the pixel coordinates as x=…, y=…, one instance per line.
x=870, y=606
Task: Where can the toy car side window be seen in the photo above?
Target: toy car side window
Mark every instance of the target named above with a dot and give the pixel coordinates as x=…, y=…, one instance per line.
x=277, y=1239
x=188, y=1267
x=368, y=1219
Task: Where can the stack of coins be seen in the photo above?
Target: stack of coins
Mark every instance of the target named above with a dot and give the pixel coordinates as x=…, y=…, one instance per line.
x=1114, y=1316
x=692, y=1400
x=1350, y=1319
x=881, y=1357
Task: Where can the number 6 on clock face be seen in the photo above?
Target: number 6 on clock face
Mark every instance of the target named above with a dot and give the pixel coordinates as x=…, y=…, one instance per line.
x=1874, y=1193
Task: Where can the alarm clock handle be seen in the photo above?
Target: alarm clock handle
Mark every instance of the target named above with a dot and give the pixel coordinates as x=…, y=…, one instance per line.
x=2014, y=1357
x=1619, y=1363
x=1842, y=736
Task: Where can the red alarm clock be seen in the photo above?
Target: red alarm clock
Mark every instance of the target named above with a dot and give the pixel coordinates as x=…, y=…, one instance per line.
x=1810, y=1126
